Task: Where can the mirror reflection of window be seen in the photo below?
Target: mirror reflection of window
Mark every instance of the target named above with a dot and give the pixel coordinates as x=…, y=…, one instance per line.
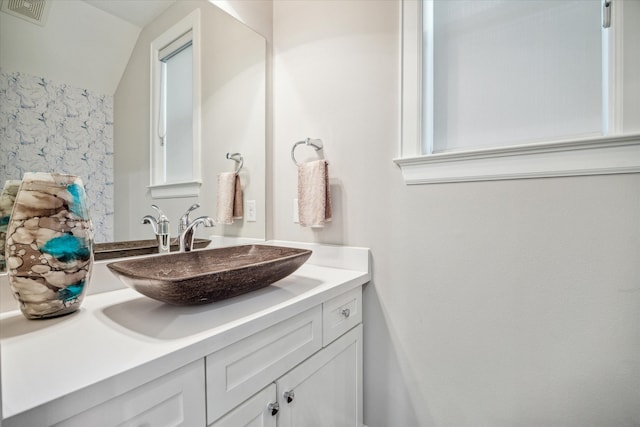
x=175, y=106
x=177, y=110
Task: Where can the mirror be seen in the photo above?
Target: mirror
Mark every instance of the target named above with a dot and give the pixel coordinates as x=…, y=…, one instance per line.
x=79, y=103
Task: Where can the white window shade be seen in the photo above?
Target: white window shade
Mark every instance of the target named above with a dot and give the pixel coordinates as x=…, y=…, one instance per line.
x=508, y=72
x=179, y=115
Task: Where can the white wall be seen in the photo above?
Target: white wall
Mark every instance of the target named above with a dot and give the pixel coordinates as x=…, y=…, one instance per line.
x=256, y=14
x=507, y=303
x=80, y=45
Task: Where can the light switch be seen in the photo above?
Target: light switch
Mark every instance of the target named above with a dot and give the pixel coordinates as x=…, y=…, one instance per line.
x=251, y=211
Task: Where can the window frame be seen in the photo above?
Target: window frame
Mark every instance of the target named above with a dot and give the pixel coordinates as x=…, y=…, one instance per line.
x=612, y=154
x=158, y=186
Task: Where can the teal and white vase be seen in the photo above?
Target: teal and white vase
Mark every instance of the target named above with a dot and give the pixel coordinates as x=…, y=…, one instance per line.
x=7, y=198
x=49, y=247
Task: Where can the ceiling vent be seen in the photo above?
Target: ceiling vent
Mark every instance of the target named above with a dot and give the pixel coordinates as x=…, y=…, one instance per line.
x=34, y=11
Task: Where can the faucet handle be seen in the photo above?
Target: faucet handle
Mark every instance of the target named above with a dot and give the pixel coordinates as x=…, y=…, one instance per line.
x=184, y=219
x=186, y=236
x=162, y=221
x=160, y=226
x=161, y=216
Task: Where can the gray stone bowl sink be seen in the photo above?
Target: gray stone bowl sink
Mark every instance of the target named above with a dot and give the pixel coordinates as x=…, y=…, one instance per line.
x=208, y=275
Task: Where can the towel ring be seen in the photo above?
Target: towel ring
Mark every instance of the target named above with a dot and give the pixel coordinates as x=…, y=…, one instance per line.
x=315, y=143
x=236, y=157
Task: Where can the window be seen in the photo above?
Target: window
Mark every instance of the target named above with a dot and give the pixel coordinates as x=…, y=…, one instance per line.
x=175, y=106
x=501, y=89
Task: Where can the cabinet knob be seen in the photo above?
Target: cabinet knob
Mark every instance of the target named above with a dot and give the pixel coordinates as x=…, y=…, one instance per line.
x=289, y=396
x=273, y=408
x=346, y=312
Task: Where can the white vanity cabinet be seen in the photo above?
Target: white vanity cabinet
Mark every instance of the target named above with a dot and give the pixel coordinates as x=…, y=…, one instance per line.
x=304, y=370
x=324, y=389
x=289, y=355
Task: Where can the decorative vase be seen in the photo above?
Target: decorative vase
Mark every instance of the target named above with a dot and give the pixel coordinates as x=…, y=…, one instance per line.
x=7, y=198
x=49, y=247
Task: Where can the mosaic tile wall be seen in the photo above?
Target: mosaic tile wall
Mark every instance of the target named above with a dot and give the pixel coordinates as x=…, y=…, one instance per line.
x=47, y=126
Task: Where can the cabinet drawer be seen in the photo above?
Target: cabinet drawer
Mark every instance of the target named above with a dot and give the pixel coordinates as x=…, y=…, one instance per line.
x=341, y=314
x=235, y=372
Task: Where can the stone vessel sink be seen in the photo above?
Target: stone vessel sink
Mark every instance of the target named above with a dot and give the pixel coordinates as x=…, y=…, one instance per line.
x=208, y=275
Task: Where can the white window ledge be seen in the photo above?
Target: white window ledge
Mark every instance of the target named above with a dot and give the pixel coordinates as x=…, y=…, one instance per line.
x=594, y=156
x=175, y=189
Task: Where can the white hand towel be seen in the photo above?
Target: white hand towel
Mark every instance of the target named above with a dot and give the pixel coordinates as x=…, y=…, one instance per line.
x=314, y=196
x=229, y=198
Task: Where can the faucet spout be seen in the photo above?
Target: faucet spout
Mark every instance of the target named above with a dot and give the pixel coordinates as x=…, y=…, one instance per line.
x=186, y=236
x=148, y=219
x=160, y=227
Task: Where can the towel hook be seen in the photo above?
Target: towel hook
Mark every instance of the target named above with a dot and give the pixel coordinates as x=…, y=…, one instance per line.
x=315, y=143
x=236, y=157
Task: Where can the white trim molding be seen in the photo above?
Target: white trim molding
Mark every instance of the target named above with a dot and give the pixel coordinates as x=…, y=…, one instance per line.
x=175, y=189
x=614, y=153
x=593, y=156
x=411, y=72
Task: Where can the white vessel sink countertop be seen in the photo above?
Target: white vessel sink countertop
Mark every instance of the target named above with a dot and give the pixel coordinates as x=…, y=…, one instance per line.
x=120, y=339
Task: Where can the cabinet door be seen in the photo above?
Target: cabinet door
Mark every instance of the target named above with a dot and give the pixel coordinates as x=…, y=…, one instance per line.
x=176, y=399
x=255, y=412
x=327, y=387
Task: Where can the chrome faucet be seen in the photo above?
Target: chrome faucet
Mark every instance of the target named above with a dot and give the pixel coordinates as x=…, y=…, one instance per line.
x=186, y=228
x=160, y=227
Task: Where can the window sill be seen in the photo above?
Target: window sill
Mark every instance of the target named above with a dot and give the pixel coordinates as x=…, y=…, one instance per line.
x=595, y=156
x=175, y=189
